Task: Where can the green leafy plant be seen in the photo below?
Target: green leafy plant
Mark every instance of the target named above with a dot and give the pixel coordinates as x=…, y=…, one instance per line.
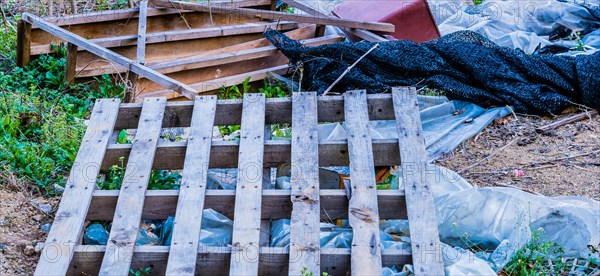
x=533, y=258
x=273, y=91
x=159, y=179
x=234, y=92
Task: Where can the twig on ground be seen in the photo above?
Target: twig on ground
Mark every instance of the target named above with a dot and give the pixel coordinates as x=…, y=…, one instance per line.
x=562, y=158
x=567, y=120
x=348, y=69
x=488, y=157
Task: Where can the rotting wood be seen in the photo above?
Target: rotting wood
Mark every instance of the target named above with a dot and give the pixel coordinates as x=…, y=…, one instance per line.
x=186, y=231
x=276, y=204
x=363, y=209
x=246, y=228
x=215, y=260
x=364, y=34
x=141, y=70
x=141, y=37
x=71, y=63
x=128, y=213
x=71, y=213
x=23, y=43
x=304, y=224
x=424, y=236
x=273, y=15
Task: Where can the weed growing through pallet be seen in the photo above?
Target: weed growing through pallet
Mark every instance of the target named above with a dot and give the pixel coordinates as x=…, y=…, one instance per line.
x=159, y=179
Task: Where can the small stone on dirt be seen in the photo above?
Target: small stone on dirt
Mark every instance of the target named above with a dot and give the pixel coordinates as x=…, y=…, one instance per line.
x=29, y=250
x=46, y=208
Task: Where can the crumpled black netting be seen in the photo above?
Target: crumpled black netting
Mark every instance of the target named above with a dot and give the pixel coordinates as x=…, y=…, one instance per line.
x=464, y=64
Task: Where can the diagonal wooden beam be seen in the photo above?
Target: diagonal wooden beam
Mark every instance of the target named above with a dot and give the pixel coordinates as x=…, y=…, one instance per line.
x=111, y=56
x=274, y=15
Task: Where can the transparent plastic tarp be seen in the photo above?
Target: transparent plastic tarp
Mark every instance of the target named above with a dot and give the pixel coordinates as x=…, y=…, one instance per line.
x=446, y=124
x=520, y=24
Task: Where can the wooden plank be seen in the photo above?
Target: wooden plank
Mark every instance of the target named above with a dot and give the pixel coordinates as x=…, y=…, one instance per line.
x=126, y=220
x=274, y=15
x=276, y=204
x=424, y=236
x=246, y=226
x=305, y=228
x=71, y=63
x=178, y=35
x=224, y=154
x=139, y=69
x=363, y=209
x=107, y=16
x=186, y=232
x=215, y=260
x=23, y=43
x=229, y=112
x=69, y=219
x=141, y=38
x=364, y=34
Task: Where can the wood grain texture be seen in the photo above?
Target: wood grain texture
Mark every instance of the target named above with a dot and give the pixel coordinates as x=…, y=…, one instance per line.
x=126, y=220
x=186, y=231
x=215, y=260
x=246, y=226
x=363, y=209
x=274, y=15
x=364, y=34
x=305, y=229
x=141, y=37
x=71, y=63
x=104, y=53
x=71, y=213
x=424, y=236
x=23, y=43
x=276, y=204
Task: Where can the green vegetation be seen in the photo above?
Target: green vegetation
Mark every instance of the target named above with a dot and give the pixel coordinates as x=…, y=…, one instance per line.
x=41, y=117
x=140, y=272
x=534, y=258
x=159, y=179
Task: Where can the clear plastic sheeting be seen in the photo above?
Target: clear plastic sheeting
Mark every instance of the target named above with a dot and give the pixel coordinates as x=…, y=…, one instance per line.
x=446, y=124
x=521, y=25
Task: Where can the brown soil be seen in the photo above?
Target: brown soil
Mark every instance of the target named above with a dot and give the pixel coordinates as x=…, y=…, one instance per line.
x=20, y=222
x=563, y=161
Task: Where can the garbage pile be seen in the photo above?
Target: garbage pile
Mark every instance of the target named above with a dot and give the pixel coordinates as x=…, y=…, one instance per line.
x=464, y=64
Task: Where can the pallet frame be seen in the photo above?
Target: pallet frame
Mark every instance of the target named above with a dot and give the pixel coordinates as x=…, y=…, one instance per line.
x=305, y=204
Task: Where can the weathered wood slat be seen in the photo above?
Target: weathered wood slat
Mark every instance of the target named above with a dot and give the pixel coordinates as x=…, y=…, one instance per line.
x=126, y=221
x=111, y=56
x=70, y=217
x=105, y=16
x=363, y=209
x=224, y=154
x=273, y=15
x=424, y=236
x=246, y=228
x=23, y=43
x=141, y=37
x=229, y=112
x=364, y=34
x=71, y=64
x=186, y=232
x=276, y=204
x=215, y=260
x=178, y=35
x=305, y=229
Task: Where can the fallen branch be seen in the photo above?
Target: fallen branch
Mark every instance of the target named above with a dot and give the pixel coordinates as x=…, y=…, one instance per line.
x=567, y=120
x=348, y=70
x=488, y=157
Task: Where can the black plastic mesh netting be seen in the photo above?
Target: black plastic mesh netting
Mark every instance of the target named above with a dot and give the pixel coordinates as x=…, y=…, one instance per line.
x=464, y=64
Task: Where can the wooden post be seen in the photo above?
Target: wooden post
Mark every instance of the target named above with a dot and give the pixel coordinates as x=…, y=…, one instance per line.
x=71, y=63
x=141, y=42
x=23, y=43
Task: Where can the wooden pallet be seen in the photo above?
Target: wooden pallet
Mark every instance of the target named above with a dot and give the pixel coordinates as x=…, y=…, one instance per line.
x=250, y=205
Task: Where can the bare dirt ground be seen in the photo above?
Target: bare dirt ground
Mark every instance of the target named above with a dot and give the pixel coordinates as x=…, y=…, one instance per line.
x=563, y=161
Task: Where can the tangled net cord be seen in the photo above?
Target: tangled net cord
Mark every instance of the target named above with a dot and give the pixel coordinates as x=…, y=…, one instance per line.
x=464, y=64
